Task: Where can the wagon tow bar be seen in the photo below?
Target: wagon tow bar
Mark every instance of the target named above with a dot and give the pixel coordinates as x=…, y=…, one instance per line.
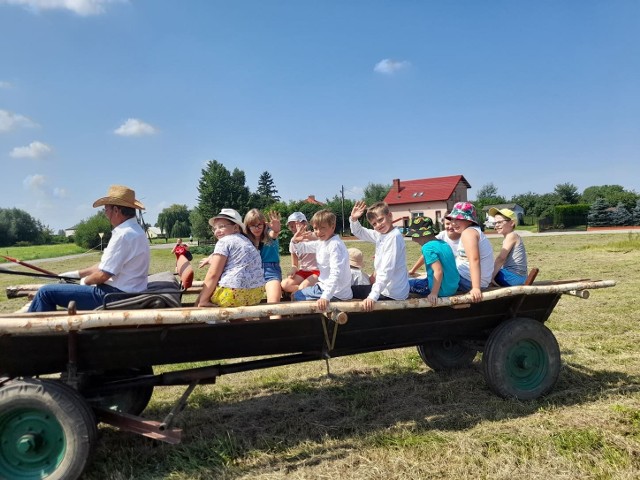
x=337, y=318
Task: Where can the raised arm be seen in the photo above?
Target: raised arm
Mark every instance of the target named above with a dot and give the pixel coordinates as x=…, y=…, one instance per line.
x=274, y=224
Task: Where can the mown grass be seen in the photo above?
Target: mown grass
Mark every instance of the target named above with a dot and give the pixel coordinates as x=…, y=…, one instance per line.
x=35, y=252
x=386, y=415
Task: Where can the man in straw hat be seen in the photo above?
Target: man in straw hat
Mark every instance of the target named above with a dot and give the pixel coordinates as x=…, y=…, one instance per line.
x=124, y=265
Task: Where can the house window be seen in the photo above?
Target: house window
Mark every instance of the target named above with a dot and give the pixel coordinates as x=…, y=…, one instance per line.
x=417, y=214
x=438, y=216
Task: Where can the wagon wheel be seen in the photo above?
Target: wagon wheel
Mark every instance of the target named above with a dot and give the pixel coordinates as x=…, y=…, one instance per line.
x=47, y=431
x=446, y=355
x=133, y=400
x=521, y=359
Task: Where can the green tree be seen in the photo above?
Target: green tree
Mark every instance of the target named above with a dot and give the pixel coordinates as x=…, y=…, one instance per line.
x=174, y=215
x=612, y=194
x=567, y=192
x=621, y=216
x=599, y=215
x=267, y=192
x=87, y=231
x=375, y=192
x=527, y=201
x=636, y=213
x=199, y=225
x=335, y=205
x=16, y=225
x=218, y=189
x=488, y=195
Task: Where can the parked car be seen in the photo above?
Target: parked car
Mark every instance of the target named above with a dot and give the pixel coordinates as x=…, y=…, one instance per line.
x=489, y=222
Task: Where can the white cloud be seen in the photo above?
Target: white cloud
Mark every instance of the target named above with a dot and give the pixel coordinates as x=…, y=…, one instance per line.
x=9, y=120
x=34, y=182
x=33, y=150
x=5, y=84
x=79, y=7
x=134, y=128
x=389, y=66
x=60, y=192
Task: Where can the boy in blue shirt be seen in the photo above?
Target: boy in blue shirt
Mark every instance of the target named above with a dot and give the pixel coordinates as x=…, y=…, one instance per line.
x=442, y=274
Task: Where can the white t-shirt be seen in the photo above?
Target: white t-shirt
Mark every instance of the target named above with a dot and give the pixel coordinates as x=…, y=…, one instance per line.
x=126, y=258
x=452, y=243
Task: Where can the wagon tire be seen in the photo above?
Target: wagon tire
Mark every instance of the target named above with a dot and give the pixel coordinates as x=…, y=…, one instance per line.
x=47, y=431
x=521, y=359
x=132, y=401
x=446, y=355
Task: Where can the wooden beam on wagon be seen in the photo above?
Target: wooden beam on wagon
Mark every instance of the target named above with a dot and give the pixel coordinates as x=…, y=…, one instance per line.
x=61, y=321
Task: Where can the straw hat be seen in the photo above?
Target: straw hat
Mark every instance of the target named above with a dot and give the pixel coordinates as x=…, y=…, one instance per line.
x=355, y=257
x=228, y=214
x=121, y=196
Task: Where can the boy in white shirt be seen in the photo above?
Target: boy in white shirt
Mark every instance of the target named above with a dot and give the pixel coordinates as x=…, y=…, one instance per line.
x=390, y=262
x=334, y=281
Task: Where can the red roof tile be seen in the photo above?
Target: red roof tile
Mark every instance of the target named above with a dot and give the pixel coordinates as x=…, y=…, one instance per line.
x=423, y=190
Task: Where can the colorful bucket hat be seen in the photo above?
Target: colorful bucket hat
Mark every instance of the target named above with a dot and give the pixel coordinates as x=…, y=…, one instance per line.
x=421, y=227
x=464, y=211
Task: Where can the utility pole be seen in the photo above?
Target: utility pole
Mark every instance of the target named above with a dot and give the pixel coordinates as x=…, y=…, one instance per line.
x=342, y=193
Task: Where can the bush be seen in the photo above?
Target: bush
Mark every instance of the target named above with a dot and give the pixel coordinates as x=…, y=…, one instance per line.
x=87, y=231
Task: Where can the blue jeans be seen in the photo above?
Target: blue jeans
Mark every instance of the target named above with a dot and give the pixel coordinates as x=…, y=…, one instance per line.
x=505, y=278
x=310, y=293
x=272, y=271
x=53, y=295
x=464, y=285
x=419, y=286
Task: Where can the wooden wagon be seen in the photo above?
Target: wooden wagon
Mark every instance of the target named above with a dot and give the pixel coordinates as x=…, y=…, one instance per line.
x=62, y=372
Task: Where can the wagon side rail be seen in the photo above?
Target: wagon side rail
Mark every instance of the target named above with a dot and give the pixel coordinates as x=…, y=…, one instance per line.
x=61, y=322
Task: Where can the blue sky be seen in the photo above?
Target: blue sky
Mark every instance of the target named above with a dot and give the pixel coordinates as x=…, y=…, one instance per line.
x=525, y=95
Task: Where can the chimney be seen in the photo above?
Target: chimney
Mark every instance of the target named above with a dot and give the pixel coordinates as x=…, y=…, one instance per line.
x=312, y=198
x=396, y=185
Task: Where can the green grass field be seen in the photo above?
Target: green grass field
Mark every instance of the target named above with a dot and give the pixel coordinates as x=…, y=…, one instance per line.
x=385, y=415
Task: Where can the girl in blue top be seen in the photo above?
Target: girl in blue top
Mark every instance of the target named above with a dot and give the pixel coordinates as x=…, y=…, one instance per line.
x=264, y=236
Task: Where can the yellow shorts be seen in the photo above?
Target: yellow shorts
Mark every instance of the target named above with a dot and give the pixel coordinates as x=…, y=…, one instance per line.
x=237, y=297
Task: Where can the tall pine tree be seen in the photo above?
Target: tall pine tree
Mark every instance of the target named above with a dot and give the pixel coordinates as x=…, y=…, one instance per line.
x=267, y=194
x=621, y=216
x=636, y=213
x=599, y=216
x=218, y=189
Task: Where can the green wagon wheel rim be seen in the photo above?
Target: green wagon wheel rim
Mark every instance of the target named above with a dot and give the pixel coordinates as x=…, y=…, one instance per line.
x=32, y=443
x=526, y=365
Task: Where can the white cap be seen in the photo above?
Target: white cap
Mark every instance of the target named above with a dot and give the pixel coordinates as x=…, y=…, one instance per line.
x=296, y=217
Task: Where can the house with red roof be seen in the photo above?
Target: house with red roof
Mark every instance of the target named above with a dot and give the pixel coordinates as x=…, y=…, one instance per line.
x=426, y=197
x=312, y=199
